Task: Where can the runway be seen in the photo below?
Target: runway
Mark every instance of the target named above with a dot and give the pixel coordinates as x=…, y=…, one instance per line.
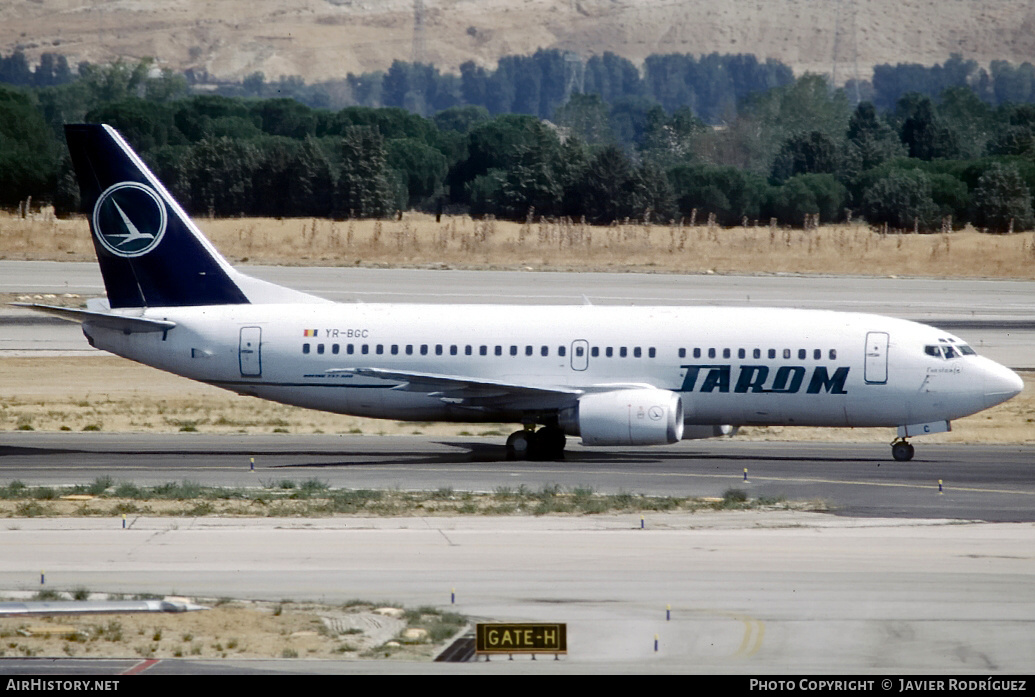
x=988, y=483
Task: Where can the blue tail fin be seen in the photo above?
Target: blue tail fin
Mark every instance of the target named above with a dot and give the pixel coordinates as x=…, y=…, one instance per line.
x=151, y=253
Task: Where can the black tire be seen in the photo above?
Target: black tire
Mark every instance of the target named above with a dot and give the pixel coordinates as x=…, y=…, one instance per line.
x=550, y=442
x=520, y=445
x=903, y=452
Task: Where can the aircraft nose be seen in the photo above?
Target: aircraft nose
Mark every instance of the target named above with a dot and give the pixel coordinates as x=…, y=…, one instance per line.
x=1001, y=384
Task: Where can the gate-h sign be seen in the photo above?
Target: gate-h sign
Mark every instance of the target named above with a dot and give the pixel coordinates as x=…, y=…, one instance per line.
x=521, y=638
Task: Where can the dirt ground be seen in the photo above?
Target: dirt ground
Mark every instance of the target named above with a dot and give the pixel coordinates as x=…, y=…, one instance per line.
x=327, y=39
x=100, y=392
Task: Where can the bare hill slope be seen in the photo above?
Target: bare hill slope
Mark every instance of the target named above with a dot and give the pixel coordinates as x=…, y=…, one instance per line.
x=321, y=39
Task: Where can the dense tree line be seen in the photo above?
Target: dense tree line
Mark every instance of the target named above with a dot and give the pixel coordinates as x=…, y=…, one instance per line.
x=792, y=153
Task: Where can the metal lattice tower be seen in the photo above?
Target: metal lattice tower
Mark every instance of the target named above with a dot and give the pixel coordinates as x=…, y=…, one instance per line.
x=574, y=74
x=420, y=47
x=848, y=47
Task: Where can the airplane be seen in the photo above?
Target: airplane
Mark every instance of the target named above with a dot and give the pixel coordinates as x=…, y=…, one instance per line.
x=613, y=376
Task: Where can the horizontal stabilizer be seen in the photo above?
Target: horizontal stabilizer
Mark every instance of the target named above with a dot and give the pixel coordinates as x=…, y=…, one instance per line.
x=105, y=320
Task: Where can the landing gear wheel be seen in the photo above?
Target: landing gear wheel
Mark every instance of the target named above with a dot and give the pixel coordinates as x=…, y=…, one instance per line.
x=550, y=442
x=902, y=451
x=520, y=445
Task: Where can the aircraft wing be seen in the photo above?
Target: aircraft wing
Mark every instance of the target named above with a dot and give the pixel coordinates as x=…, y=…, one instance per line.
x=107, y=320
x=474, y=392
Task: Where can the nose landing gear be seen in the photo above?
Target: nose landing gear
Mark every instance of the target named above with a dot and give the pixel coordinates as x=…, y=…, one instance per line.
x=902, y=450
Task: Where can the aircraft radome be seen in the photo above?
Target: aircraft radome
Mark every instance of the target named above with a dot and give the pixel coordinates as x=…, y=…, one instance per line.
x=615, y=376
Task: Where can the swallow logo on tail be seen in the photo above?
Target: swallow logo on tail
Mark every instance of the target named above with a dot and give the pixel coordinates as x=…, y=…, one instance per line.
x=129, y=219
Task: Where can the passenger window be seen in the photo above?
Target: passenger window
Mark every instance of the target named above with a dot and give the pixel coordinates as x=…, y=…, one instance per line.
x=595, y=351
x=452, y=350
x=622, y=352
x=578, y=351
x=741, y=353
x=468, y=350
x=364, y=349
x=409, y=349
x=305, y=348
x=609, y=352
x=801, y=354
x=350, y=349
x=833, y=354
x=562, y=351
x=528, y=350
x=772, y=353
x=483, y=350
x=725, y=353
x=499, y=350
x=380, y=349
x=636, y=352
x=423, y=349
x=438, y=349
x=697, y=353
x=682, y=353
x=544, y=351
x=711, y=353
x=335, y=348
x=395, y=349
x=651, y=352
x=319, y=348
x=757, y=353
x=513, y=350
x=786, y=353
x=817, y=354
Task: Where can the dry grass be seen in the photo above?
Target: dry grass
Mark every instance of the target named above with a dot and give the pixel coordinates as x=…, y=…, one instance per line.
x=107, y=393
x=231, y=629
x=460, y=242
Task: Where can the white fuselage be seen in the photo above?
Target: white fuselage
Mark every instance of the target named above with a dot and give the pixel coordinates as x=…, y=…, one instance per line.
x=737, y=366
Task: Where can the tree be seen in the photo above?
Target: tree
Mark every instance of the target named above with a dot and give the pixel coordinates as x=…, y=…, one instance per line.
x=730, y=193
x=28, y=163
x=809, y=194
x=805, y=153
x=144, y=124
x=461, y=119
x=925, y=135
x=363, y=189
x=494, y=145
x=901, y=199
x=219, y=173
x=871, y=141
x=586, y=117
x=1001, y=200
x=608, y=188
x=423, y=168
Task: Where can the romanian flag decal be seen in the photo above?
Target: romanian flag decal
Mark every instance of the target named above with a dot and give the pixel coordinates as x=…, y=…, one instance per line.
x=310, y=332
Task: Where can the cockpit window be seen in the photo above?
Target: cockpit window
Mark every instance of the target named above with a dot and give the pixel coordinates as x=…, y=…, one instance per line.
x=948, y=352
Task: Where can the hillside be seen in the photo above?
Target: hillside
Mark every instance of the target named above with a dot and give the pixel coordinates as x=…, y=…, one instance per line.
x=323, y=39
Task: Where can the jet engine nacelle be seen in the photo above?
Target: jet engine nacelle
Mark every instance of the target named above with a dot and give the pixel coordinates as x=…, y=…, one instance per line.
x=626, y=417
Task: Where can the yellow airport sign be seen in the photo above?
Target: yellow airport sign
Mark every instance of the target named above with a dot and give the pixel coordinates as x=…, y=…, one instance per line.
x=521, y=637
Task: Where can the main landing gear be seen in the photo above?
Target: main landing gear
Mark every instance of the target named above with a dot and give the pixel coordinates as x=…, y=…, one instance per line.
x=901, y=450
x=545, y=444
